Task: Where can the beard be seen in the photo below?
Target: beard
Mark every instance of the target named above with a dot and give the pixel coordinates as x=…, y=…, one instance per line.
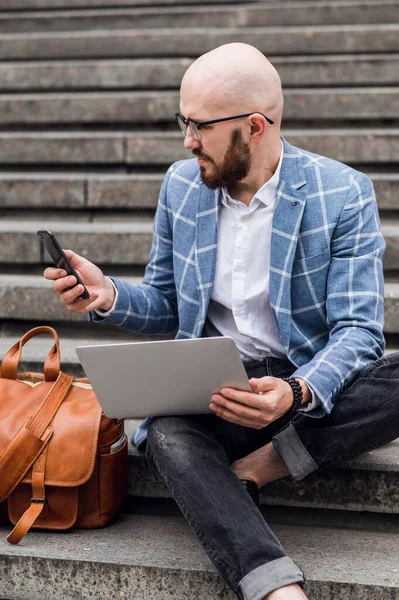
x=235, y=166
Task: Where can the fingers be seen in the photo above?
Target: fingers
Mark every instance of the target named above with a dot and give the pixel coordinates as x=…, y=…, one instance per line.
x=70, y=293
x=75, y=304
x=237, y=413
x=247, y=398
x=71, y=299
x=64, y=283
x=233, y=417
x=84, y=306
x=52, y=273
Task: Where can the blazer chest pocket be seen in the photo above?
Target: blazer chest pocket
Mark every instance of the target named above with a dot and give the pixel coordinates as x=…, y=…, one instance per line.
x=311, y=264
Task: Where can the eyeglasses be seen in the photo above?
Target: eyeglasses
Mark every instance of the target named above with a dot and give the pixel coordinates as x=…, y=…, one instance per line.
x=195, y=126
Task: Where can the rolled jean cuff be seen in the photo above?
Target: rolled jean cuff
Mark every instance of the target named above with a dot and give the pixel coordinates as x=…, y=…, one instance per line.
x=269, y=577
x=288, y=445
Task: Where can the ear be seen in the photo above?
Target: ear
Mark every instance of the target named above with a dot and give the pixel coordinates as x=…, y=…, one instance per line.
x=259, y=127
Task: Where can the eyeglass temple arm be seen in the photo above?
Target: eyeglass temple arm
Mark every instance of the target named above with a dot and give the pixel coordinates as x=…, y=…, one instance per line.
x=199, y=125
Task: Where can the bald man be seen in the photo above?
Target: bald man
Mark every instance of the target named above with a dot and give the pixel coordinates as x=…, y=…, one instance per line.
x=279, y=249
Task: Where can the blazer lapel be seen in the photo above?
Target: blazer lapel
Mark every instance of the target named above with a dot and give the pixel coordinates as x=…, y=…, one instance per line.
x=207, y=219
x=290, y=205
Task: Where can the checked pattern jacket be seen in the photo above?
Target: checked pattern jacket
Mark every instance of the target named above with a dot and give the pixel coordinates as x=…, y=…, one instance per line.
x=326, y=278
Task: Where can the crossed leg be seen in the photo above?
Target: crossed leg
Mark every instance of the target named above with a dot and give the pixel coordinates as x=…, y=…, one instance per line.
x=365, y=417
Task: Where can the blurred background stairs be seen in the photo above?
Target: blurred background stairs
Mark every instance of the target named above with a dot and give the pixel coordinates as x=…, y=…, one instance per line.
x=88, y=92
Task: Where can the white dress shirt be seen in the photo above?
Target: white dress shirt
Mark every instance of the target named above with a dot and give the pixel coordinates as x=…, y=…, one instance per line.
x=240, y=304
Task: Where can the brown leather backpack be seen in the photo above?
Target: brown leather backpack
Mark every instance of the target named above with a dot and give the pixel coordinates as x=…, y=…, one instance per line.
x=63, y=463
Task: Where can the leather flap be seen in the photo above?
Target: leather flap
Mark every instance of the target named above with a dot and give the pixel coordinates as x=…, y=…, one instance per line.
x=60, y=510
x=72, y=448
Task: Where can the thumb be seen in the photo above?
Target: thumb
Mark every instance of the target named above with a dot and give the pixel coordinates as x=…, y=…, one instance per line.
x=263, y=384
x=93, y=303
x=75, y=260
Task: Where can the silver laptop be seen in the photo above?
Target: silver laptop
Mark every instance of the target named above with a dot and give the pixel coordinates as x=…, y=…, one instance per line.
x=168, y=377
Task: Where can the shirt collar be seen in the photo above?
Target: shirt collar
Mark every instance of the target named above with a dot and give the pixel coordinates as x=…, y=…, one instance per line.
x=268, y=190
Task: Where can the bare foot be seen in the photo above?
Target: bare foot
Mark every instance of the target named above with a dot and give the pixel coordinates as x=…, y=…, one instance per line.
x=262, y=466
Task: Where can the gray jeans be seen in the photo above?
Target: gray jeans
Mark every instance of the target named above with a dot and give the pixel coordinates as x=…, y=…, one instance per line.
x=193, y=455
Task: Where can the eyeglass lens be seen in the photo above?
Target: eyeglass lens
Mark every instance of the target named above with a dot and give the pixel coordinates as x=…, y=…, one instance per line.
x=183, y=126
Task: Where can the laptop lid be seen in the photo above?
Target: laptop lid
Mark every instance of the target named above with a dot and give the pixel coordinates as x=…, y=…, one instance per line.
x=162, y=378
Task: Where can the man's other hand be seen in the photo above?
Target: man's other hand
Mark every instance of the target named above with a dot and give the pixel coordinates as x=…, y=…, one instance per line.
x=100, y=288
x=273, y=399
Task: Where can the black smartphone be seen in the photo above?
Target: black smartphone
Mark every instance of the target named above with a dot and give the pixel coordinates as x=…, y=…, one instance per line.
x=61, y=261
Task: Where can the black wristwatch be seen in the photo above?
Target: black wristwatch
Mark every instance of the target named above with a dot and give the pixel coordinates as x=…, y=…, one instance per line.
x=297, y=391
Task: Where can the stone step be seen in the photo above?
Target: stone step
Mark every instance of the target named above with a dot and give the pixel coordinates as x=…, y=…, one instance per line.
x=244, y=15
x=71, y=191
x=367, y=483
x=187, y=41
x=114, y=242
x=152, y=556
x=30, y=297
x=350, y=145
x=16, y=5
x=299, y=71
x=390, y=230
x=81, y=334
x=84, y=191
x=391, y=307
x=37, y=349
x=328, y=104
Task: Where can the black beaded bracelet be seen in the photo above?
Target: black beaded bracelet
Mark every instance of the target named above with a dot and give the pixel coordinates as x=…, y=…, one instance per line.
x=297, y=391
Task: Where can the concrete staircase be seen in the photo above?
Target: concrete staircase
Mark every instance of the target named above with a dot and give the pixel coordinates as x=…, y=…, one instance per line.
x=88, y=89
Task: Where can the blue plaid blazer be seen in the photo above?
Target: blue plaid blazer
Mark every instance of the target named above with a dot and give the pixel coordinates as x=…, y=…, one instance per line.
x=326, y=279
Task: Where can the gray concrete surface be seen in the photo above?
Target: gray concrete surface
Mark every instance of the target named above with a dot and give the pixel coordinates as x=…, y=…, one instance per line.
x=31, y=297
x=62, y=147
x=159, y=557
x=116, y=241
x=333, y=104
x=37, y=349
x=192, y=42
x=348, y=145
x=50, y=4
x=391, y=254
x=90, y=148
x=41, y=190
x=77, y=190
x=135, y=191
x=120, y=242
x=250, y=15
x=71, y=191
x=141, y=73
x=161, y=73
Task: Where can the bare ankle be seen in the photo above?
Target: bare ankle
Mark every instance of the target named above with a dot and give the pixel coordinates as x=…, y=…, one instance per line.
x=288, y=592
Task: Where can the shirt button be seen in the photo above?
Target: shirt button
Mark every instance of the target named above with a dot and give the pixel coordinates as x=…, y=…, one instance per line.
x=238, y=312
x=243, y=219
x=237, y=267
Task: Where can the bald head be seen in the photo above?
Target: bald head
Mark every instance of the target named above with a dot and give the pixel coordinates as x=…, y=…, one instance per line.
x=232, y=79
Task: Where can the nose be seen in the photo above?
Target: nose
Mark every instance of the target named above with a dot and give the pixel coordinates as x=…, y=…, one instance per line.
x=189, y=140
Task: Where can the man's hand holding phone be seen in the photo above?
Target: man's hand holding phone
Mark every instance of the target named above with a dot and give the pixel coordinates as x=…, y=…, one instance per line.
x=102, y=292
